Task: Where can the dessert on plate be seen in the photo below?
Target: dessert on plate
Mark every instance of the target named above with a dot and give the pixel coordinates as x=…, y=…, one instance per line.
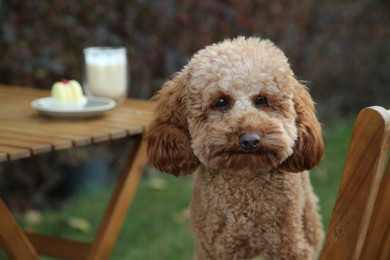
x=68, y=94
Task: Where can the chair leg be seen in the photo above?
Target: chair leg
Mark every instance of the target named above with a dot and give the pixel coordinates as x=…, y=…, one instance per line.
x=12, y=238
x=120, y=203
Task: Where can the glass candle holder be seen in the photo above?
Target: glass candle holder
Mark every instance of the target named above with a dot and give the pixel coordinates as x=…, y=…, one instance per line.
x=106, y=73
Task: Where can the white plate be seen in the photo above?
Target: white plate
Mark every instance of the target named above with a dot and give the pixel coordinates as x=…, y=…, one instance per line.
x=95, y=106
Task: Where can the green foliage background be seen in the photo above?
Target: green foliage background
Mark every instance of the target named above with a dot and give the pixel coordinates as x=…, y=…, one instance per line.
x=340, y=47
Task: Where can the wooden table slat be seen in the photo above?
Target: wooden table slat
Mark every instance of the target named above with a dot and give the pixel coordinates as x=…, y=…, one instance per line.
x=20, y=128
x=35, y=147
x=57, y=143
x=70, y=128
x=14, y=153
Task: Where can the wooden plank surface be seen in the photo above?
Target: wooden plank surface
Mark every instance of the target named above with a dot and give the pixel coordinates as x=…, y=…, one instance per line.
x=21, y=128
x=14, y=153
x=57, y=143
x=24, y=132
x=377, y=241
x=35, y=147
x=359, y=186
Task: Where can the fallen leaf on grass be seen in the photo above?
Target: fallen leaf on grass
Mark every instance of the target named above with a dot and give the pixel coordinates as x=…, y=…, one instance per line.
x=157, y=184
x=33, y=216
x=79, y=224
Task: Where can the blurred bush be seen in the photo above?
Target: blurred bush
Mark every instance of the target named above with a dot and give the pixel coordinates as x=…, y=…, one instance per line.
x=341, y=47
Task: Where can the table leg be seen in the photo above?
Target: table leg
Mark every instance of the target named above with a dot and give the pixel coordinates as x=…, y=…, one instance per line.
x=12, y=238
x=119, y=203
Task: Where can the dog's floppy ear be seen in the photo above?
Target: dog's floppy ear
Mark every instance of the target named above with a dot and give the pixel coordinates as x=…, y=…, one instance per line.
x=168, y=139
x=309, y=147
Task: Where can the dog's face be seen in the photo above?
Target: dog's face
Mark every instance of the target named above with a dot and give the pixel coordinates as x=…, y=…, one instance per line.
x=236, y=105
x=240, y=109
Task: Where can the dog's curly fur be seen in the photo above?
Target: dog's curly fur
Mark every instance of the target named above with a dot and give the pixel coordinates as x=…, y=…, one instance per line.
x=246, y=201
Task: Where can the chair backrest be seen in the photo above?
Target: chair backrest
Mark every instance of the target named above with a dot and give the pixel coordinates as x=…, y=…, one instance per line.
x=360, y=223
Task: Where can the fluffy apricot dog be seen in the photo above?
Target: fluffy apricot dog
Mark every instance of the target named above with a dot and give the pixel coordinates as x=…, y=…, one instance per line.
x=237, y=117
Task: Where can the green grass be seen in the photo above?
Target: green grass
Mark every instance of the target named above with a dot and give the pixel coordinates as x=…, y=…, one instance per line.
x=326, y=177
x=155, y=227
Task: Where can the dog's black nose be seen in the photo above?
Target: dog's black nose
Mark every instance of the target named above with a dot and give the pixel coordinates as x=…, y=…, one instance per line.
x=250, y=141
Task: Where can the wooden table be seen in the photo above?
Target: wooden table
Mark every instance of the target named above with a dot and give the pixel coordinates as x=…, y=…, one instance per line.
x=25, y=133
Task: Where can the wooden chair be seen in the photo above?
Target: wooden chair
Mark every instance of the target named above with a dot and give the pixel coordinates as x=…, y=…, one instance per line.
x=360, y=223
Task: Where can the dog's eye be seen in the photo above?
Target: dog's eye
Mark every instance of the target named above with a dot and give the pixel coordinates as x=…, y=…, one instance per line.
x=261, y=101
x=222, y=103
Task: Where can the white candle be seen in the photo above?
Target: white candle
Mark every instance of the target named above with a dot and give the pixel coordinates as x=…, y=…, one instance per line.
x=106, y=72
